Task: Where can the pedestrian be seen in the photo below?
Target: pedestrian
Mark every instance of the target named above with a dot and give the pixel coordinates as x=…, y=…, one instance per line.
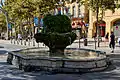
x=94, y=35
x=112, y=42
x=106, y=37
x=19, y=38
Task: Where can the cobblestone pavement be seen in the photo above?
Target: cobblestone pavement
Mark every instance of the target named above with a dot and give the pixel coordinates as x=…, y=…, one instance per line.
x=9, y=72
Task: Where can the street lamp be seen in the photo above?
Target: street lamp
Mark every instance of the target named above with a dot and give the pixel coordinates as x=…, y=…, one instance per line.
x=97, y=31
x=80, y=27
x=61, y=6
x=56, y=9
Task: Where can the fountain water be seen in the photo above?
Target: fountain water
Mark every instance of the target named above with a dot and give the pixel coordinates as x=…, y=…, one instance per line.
x=57, y=36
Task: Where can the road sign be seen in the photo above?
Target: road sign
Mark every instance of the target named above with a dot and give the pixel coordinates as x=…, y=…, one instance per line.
x=36, y=21
x=116, y=27
x=9, y=26
x=41, y=22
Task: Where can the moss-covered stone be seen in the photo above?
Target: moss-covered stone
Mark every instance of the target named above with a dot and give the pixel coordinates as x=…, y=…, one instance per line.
x=57, y=33
x=57, y=23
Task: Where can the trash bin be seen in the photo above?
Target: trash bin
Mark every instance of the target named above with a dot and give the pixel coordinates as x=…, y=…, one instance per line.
x=85, y=42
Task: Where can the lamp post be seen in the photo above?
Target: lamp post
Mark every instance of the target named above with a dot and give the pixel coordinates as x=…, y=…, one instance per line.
x=79, y=35
x=80, y=28
x=97, y=27
x=61, y=6
x=56, y=9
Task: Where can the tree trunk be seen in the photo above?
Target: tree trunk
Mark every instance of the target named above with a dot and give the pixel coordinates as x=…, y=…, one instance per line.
x=97, y=27
x=98, y=31
x=32, y=25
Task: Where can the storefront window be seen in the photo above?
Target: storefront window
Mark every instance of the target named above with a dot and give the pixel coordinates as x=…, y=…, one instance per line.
x=74, y=11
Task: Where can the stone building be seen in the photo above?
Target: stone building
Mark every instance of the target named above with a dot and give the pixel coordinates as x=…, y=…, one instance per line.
x=110, y=22
x=78, y=14
x=76, y=11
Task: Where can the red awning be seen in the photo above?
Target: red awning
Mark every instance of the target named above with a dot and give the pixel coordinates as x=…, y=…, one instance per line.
x=75, y=19
x=102, y=24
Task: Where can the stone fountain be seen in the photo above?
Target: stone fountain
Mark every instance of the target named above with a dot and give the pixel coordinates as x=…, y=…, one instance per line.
x=57, y=35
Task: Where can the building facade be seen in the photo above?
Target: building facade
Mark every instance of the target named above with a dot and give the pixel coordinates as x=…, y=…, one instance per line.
x=78, y=14
x=110, y=22
x=73, y=9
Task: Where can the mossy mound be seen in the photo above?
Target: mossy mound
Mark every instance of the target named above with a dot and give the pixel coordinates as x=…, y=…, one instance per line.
x=57, y=33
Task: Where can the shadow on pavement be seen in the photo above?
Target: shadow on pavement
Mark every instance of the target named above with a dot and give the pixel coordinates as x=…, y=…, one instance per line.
x=1, y=47
x=3, y=52
x=111, y=73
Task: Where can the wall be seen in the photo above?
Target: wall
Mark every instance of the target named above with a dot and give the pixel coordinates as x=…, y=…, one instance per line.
x=108, y=17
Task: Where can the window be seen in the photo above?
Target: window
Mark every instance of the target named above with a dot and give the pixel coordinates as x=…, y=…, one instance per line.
x=79, y=12
x=74, y=11
x=68, y=10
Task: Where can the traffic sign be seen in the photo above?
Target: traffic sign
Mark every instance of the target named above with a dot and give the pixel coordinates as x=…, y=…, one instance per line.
x=36, y=21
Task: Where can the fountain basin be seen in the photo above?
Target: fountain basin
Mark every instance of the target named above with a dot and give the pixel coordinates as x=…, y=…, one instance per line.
x=70, y=63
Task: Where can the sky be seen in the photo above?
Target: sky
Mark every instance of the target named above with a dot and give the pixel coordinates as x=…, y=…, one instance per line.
x=2, y=2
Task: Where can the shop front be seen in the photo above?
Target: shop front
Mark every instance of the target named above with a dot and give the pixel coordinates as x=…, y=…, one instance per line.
x=116, y=28
x=78, y=27
x=102, y=27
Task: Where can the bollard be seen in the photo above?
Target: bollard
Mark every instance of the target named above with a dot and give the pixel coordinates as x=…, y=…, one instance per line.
x=38, y=44
x=33, y=42
x=14, y=41
x=11, y=41
x=24, y=42
x=85, y=42
x=29, y=42
x=21, y=42
x=17, y=41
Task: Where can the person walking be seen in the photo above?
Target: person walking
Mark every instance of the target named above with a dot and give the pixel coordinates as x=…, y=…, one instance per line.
x=19, y=37
x=106, y=38
x=112, y=42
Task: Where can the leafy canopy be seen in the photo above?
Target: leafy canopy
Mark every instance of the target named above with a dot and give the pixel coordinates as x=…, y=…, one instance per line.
x=57, y=23
x=106, y=4
x=24, y=9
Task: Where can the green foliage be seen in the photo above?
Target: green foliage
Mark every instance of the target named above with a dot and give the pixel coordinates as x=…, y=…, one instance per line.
x=56, y=40
x=2, y=22
x=57, y=23
x=26, y=8
x=23, y=11
x=106, y=4
x=58, y=33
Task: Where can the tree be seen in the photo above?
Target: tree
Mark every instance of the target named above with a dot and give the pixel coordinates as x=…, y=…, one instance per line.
x=56, y=36
x=2, y=23
x=26, y=8
x=23, y=11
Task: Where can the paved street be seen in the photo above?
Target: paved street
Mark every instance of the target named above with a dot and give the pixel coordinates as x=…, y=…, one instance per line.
x=9, y=72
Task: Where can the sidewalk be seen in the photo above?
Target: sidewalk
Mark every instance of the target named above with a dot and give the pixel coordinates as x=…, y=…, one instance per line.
x=91, y=45
x=12, y=47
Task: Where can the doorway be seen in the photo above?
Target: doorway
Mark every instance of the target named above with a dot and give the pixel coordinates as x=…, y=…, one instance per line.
x=116, y=28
